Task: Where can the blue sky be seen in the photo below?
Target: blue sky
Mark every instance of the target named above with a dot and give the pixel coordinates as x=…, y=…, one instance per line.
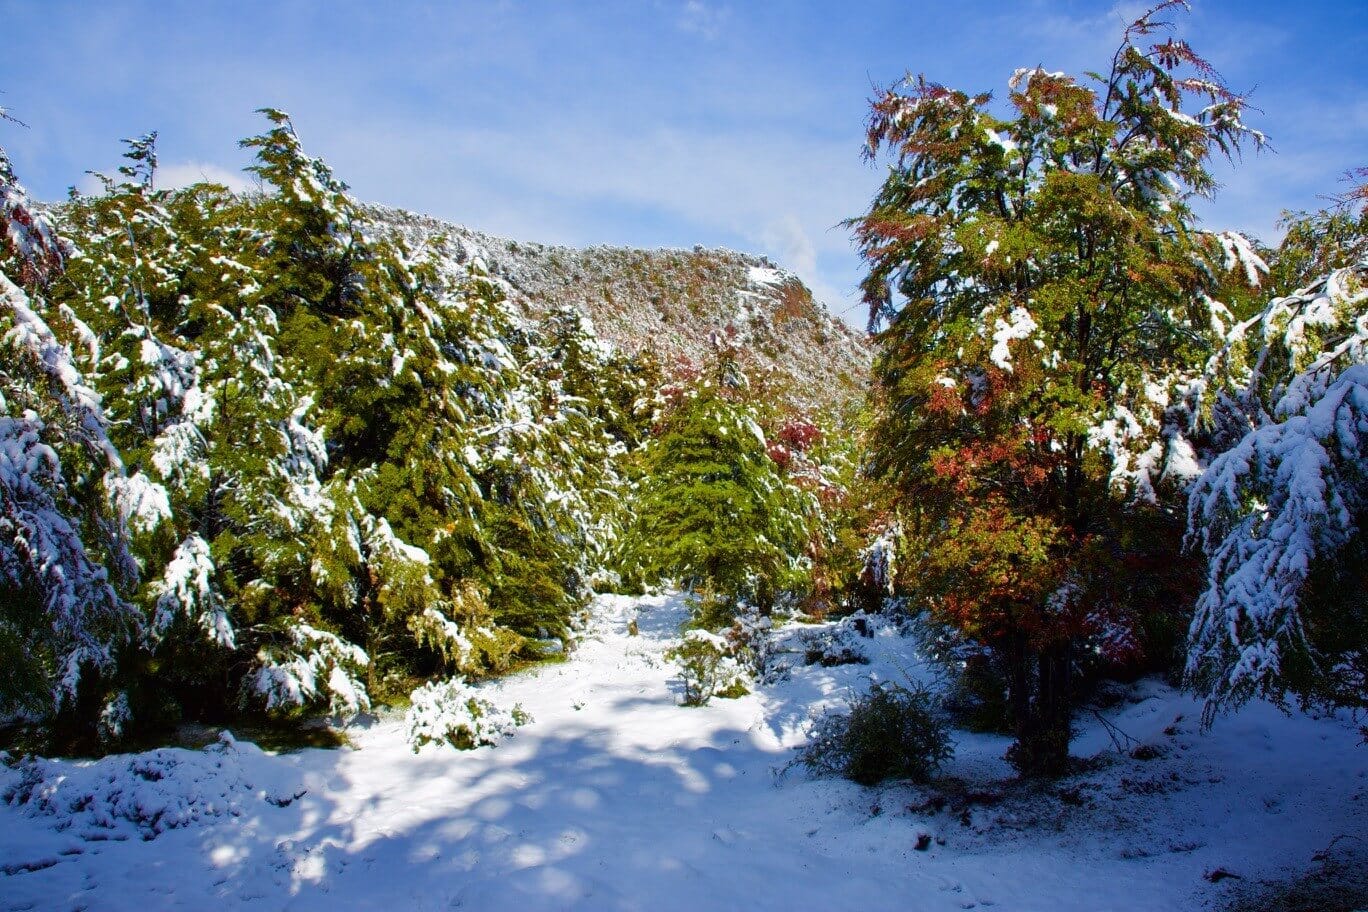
x=648, y=123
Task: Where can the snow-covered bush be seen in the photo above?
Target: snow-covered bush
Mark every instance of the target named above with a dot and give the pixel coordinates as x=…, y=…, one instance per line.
x=751, y=642
x=889, y=733
x=149, y=793
x=452, y=712
x=839, y=643
x=971, y=686
x=707, y=668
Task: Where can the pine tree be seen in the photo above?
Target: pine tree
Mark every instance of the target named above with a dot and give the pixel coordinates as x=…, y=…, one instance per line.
x=1046, y=266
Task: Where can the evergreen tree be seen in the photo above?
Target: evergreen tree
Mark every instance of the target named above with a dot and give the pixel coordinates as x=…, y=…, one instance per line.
x=1035, y=270
x=1278, y=513
x=325, y=465
x=65, y=567
x=714, y=511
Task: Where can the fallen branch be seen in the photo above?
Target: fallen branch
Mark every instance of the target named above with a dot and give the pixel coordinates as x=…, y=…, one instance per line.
x=1113, y=731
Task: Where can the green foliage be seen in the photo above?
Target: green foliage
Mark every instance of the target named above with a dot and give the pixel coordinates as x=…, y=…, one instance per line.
x=706, y=668
x=734, y=690
x=465, y=636
x=852, y=510
x=888, y=733
x=351, y=466
x=1316, y=243
x=978, y=698
x=710, y=611
x=1333, y=670
x=713, y=509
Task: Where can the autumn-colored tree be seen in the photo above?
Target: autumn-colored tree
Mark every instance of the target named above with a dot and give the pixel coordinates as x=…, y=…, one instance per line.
x=1033, y=266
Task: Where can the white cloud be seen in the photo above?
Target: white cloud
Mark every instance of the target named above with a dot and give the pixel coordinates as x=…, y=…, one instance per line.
x=774, y=193
x=704, y=19
x=785, y=239
x=182, y=174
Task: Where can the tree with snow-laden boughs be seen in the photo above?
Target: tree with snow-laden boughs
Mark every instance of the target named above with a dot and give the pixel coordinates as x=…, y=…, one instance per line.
x=1033, y=271
x=331, y=465
x=1278, y=512
x=65, y=566
x=272, y=453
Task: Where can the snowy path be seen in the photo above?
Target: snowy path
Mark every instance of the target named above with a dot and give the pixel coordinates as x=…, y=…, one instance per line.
x=615, y=798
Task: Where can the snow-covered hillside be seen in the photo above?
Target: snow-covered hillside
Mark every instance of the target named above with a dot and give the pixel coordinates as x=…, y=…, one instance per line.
x=617, y=798
x=669, y=301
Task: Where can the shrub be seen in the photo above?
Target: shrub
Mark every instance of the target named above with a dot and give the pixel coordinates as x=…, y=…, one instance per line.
x=707, y=668
x=452, y=712
x=709, y=610
x=975, y=692
x=889, y=733
x=752, y=644
x=838, y=644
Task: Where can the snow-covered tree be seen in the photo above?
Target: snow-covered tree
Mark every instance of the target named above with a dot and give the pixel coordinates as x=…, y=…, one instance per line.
x=1278, y=515
x=28, y=244
x=64, y=561
x=317, y=246
x=123, y=294
x=324, y=461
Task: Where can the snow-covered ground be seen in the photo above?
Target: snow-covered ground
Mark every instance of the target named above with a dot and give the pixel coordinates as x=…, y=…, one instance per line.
x=616, y=798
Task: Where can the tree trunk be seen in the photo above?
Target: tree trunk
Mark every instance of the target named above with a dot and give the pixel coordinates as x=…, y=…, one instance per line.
x=1040, y=688
x=764, y=597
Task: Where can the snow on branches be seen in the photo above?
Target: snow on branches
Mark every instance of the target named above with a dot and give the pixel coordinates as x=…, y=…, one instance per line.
x=1285, y=499
x=452, y=712
x=1279, y=361
x=1288, y=395
x=55, y=557
x=42, y=553
x=311, y=665
x=186, y=590
x=26, y=233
